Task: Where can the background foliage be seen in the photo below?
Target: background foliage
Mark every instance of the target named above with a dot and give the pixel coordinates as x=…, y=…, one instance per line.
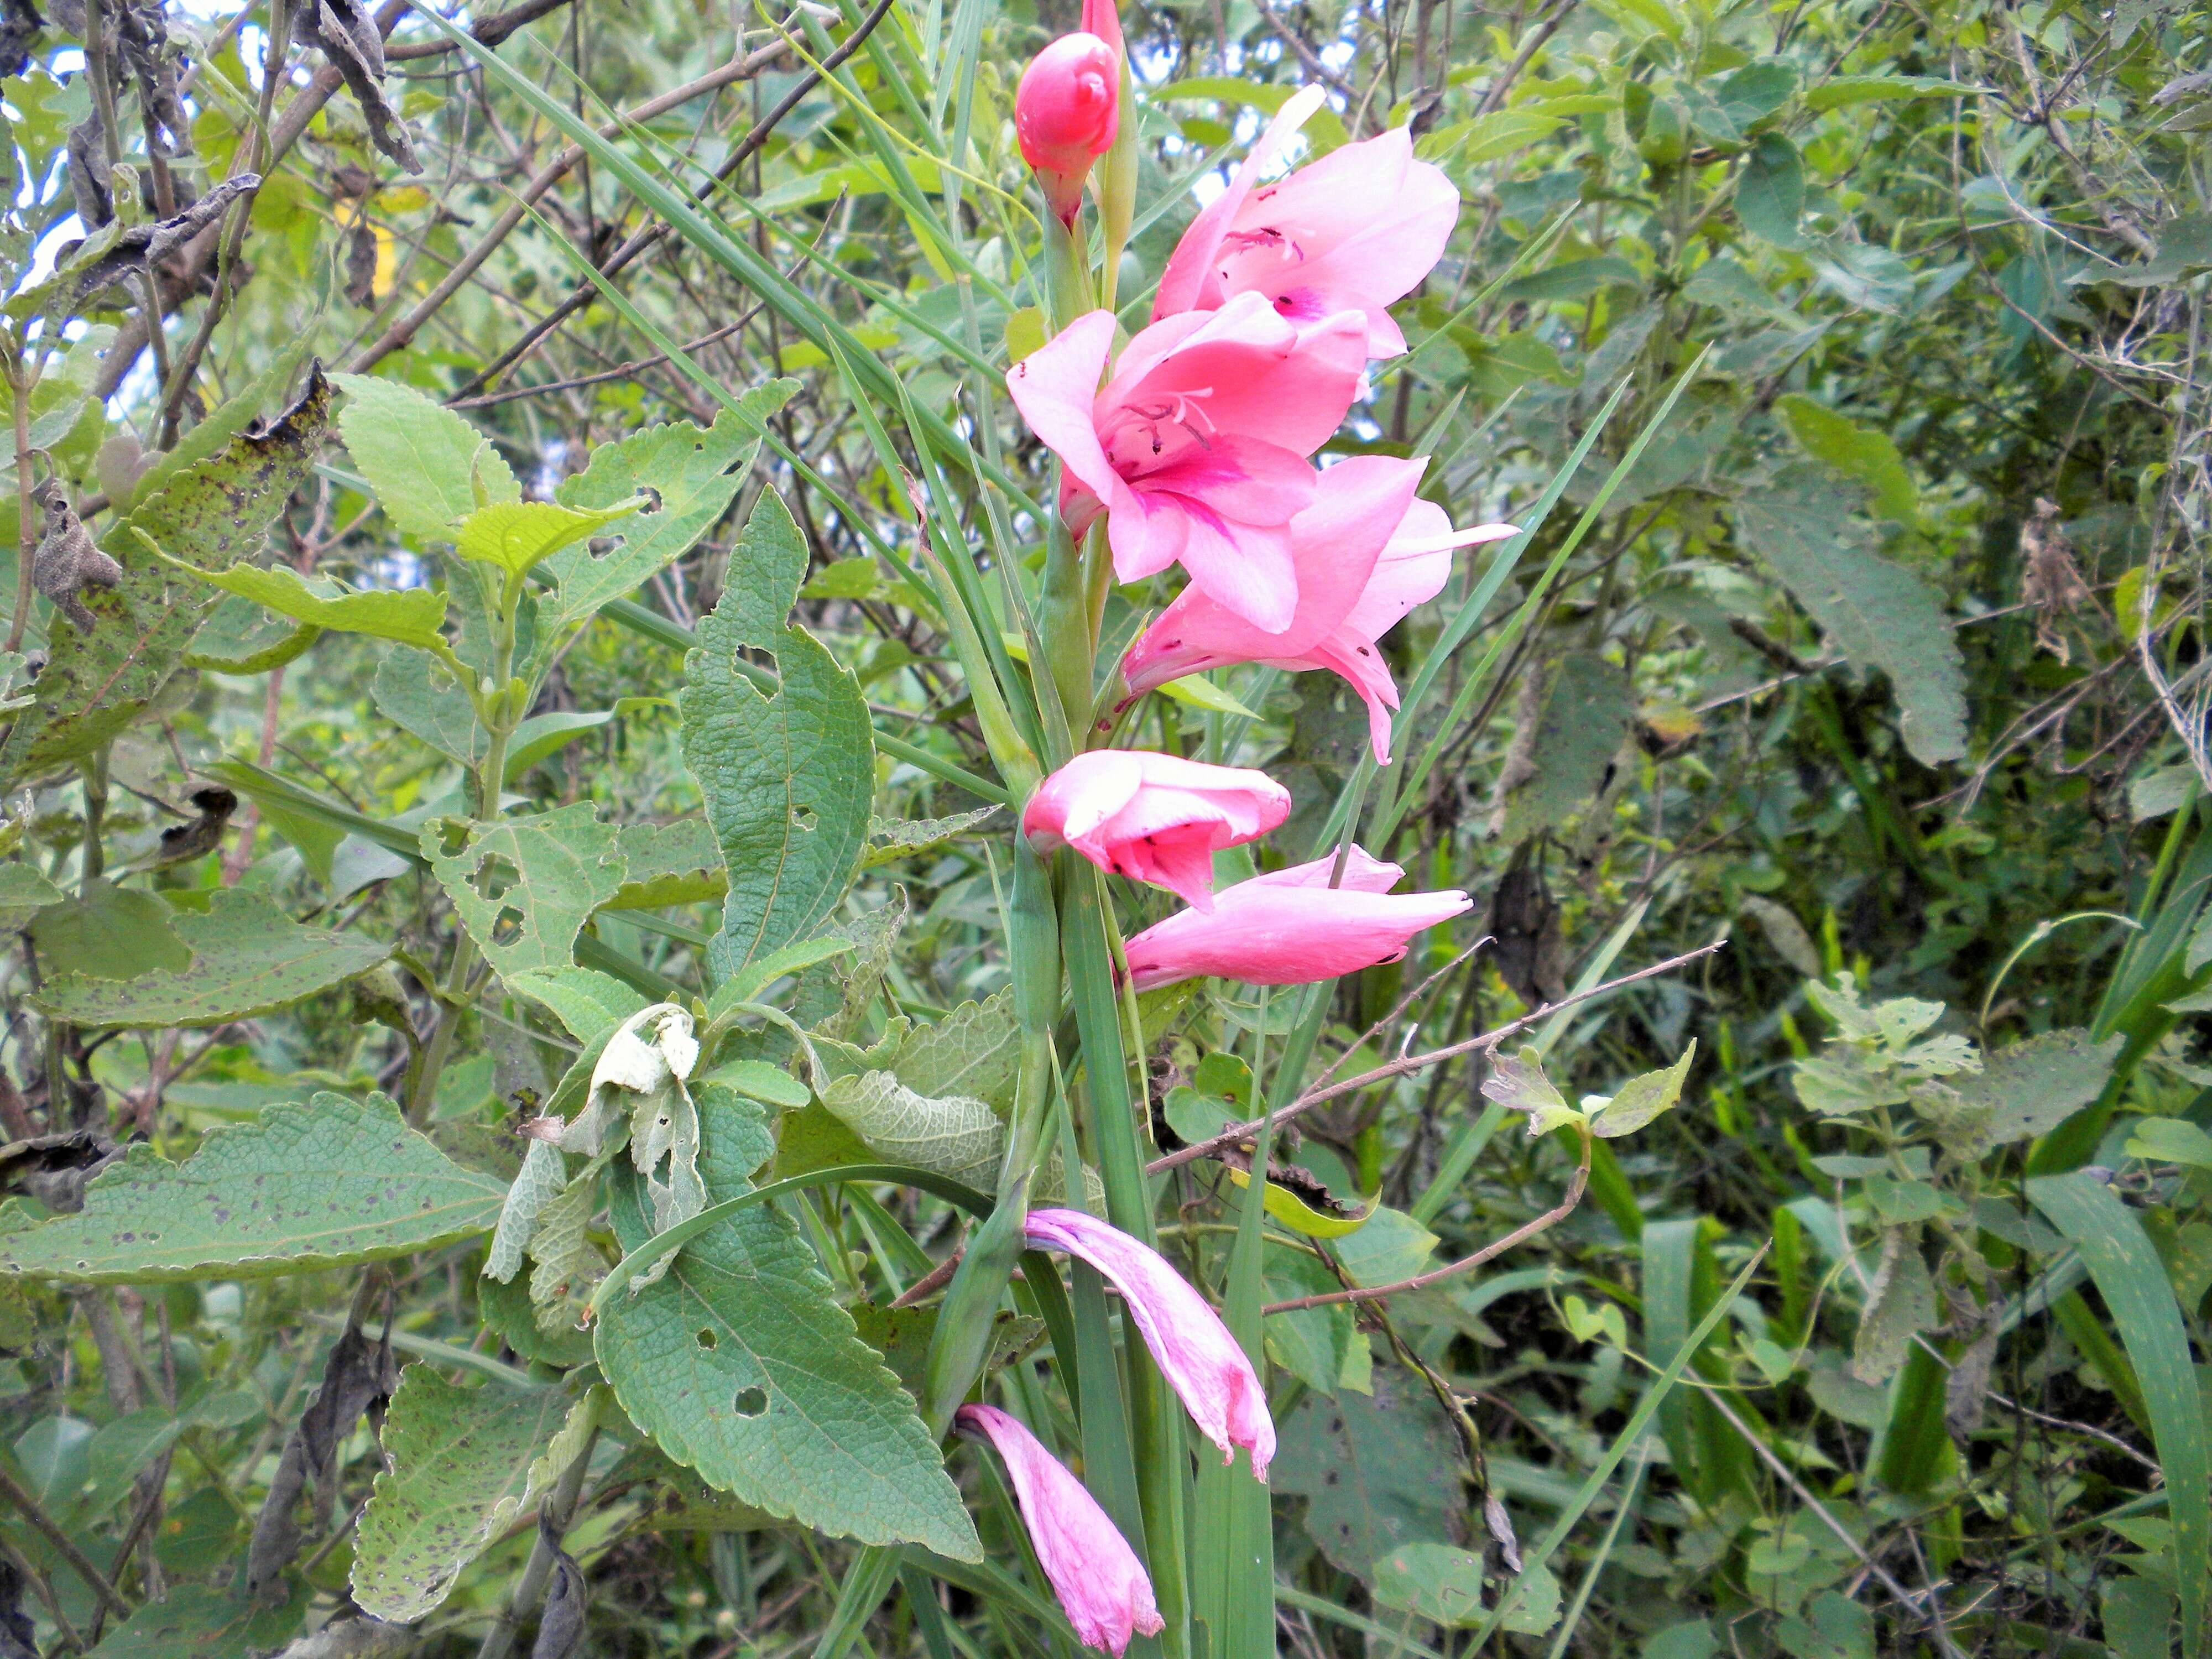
x=1880, y=654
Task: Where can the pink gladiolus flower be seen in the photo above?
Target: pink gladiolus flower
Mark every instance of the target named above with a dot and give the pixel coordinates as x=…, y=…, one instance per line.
x=1066, y=112
x=1154, y=817
x=1100, y=1583
x=1202, y=1362
x=1356, y=230
x=1291, y=928
x=1103, y=19
x=1196, y=450
x=1367, y=552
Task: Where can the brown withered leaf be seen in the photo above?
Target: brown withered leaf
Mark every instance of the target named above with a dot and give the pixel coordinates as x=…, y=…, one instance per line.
x=358, y=1377
x=347, y=32
x=2051, y=578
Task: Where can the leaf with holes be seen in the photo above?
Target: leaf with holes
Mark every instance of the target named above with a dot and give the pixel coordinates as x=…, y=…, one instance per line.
x=425, y=463
x=1879, y=614
x=2030, y=1087
x=515, y=535
x=524, y=887
x=787, y=777
x=674, y=863
x=248, y=958
x=689, y=478
x=742, y=1365
x=330, y=1183
x=1900, y=1302
x=892, y=839
x=213, y=517
x=462, y=1464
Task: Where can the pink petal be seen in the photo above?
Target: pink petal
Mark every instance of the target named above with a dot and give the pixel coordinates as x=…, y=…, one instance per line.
x=1189, y=280
x=1201, y=1361
x=1246, y=569
x=1101, y=1584
x=1286, y=936
x=1363, y=873
x=1350, y=656
x=1056, y=388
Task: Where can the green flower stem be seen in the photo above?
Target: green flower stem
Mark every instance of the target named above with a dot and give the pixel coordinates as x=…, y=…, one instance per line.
x=1067, y=270
x=1089, y=937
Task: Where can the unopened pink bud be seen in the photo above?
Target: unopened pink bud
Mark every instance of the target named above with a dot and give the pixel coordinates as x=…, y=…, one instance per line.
x=1066, y=112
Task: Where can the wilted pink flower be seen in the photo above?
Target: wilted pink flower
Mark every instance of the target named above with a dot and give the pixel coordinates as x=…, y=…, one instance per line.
x=1202, y=1362
x=1065, y=111
x=1367, y=552
x=1356, y=230
x=1154, y=817
x=1100, y=1583
x=1291, y=928
x=1196, y=449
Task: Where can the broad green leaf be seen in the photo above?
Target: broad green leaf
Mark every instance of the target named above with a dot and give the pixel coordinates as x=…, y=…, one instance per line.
x=1642, y=1098
x=423, y=461
x=1846, y=90
x=196, y=1622
x=1879, y=614
x=787, y=777
x=2032, y=1086
x=1519, y=1084
x=542, y=1179
x=1834, y=1627
x=2133, y=1282
x=411, y=615
x=248, y=958
x=106, y=932
x=1380, y=1470
x=669, y=864
x=691, y=475
x=328, y=1184
x=420, y=697
x=239, y=636
x=1315, y=1345
x=516, y=535
x=1857, y=452
x=23, y=893
x=741, y=1364
x=589, y=1003
x=891, y=839
x=2170, y=1141
x=756, y=1079
x=1485, y=137
x=1900, y=1302
x=1582, y=723
x=213, y=517
x=1442, y=1583
x=953, y=1134
x=1390, y=1245
x=758, y=974
x=462, y=1464
x=1770, y=193
x=524, y=887
x=543, y=736
x=975, y=1050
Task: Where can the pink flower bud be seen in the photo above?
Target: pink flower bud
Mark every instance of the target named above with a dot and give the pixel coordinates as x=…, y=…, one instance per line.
x=1154, y=817
x=1103, y=19
x=1100, y=1583
x=1291, y=928
x=1201, y=1361
x=1065, y=111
